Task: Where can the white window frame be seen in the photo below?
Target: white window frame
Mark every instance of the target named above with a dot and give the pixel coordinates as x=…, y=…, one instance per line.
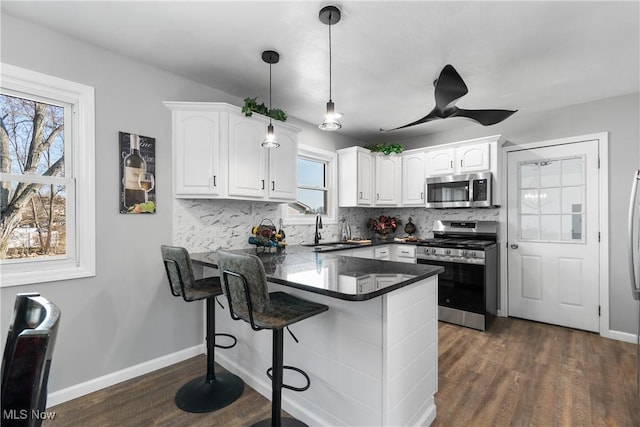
x=81, y=259
x=331, y=159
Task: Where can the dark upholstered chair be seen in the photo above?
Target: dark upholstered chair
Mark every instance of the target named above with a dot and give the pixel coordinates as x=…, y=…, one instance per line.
x=27, y=360
x=245, y=284
x=211, y=392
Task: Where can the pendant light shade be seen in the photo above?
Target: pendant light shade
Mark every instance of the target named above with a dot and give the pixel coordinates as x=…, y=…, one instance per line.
x=330, y=15
x=270, y=57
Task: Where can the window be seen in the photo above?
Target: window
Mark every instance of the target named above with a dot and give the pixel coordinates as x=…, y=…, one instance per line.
x=552, y=194
x=316, y=188
x=47, y=202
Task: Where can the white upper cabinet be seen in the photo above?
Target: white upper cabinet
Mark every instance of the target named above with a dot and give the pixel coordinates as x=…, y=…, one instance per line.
x=218, y=153
x=283, y=162
x=413, y=178
x=247, y=159
x=388, y=186
x=441, y=161
x=197, y=165
x=461, y=158
x=473, y=158
x=355, y=177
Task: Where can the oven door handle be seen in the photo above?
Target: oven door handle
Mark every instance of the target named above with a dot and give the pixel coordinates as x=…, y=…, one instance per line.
x=450, y=259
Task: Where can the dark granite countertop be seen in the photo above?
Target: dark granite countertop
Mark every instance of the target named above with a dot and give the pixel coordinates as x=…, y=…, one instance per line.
x=331, y=274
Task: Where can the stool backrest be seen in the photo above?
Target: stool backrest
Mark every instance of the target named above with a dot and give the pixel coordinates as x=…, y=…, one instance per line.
x=27, y=358
x=177, y=263
x=252, y=271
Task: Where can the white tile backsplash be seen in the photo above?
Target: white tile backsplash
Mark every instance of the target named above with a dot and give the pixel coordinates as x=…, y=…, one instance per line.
x=203, y=225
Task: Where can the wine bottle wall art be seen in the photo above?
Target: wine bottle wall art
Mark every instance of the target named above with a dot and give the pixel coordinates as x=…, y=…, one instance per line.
x=137, y=174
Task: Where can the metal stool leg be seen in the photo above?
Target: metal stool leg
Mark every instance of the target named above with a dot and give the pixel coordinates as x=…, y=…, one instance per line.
x=210, y=392
x=277, y=356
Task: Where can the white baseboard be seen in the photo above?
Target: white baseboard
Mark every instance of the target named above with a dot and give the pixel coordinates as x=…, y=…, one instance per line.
x=113, y=378
x=621, y=336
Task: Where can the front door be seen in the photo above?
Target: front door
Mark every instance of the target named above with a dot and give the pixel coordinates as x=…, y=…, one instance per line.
x=552, y=225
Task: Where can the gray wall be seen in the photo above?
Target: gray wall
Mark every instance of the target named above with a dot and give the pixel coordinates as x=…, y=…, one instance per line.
x=125, y=315
x=620, y=117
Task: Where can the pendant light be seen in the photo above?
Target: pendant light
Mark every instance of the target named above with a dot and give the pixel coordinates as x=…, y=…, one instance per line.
x=270, y=57
x=330, y=15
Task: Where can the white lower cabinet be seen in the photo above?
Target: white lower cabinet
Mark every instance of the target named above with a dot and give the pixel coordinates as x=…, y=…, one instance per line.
x=404, y=253
x=362, y=253
x=382, y=252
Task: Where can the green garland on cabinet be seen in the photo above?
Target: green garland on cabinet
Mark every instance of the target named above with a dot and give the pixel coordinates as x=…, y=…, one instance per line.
x=251, y=106
x=385, y=148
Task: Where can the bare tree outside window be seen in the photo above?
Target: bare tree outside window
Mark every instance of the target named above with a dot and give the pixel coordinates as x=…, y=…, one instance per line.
x=33, y=204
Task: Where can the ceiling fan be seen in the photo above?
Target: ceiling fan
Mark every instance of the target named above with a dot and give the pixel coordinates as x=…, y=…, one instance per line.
x=450, y=87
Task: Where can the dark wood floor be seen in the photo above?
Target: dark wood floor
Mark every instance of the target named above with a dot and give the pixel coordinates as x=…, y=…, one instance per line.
x=519, y=373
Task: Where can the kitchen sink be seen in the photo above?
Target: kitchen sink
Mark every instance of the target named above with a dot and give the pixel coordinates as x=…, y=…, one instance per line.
x=331, y=246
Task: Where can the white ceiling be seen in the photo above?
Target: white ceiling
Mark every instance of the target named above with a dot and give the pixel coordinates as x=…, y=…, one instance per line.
x=529, y=56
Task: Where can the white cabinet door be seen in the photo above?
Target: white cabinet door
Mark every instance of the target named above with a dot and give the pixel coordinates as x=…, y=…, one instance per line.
x=413, y=179
x=197, y=154
x=388, y=176
x=283, y=161
x=382, y=252
x=247, y=158
x=355, y=177
x=473, y=158
x=404, y=253
x=365, y=178
x=441, y=162
x=363, y=253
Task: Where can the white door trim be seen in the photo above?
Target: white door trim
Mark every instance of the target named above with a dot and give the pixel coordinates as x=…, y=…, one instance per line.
x=603, y=219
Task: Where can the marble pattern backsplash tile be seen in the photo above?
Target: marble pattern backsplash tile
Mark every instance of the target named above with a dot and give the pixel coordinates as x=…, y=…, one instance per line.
x=202, y=225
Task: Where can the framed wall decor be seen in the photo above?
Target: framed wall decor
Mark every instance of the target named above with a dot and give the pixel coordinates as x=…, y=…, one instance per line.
x=137, y=174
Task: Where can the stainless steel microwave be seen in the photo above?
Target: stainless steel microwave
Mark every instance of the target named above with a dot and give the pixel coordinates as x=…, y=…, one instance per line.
x=460, y=191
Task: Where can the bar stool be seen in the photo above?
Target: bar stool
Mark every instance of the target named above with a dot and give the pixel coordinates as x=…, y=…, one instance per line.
x=245, y=284
x=210, y=392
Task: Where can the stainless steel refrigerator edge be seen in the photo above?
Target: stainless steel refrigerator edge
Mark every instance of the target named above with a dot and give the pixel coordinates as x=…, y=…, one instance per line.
x=634, y=257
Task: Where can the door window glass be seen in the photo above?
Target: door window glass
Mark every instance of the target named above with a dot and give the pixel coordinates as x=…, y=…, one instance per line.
x=552, y=194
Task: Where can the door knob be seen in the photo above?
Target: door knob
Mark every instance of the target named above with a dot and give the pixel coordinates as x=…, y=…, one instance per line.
x=514, y=246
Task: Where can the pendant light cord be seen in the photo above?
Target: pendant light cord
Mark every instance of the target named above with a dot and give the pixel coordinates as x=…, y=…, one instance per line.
x=329, y=58
x=269, y=112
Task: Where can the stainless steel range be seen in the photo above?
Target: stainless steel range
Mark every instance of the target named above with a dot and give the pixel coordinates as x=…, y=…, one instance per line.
x=468, y=288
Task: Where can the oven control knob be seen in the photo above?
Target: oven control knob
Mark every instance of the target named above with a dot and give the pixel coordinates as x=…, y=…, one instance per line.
x=433, y=251
x=473, y=253
x=463, y=253
x=448, y=251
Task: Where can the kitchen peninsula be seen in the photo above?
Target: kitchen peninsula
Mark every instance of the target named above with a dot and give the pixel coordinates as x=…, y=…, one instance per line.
x=372, y=357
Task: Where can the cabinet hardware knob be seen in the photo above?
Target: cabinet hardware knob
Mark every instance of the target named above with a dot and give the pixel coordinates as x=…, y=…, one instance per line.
x=273, y=186
x=214, y=181
x=451, y=164
x=262, y=183
x=514, y=246
x=460, y=162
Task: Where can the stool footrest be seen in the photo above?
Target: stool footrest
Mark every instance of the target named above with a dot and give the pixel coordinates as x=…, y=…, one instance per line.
x=235, y=341
x=290, y=387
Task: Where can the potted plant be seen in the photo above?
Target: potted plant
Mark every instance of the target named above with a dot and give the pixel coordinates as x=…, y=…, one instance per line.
x=383, y=225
